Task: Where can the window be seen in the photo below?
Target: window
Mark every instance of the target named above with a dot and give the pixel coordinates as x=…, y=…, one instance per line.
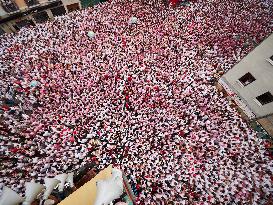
x=247, y=79
x=265, y=98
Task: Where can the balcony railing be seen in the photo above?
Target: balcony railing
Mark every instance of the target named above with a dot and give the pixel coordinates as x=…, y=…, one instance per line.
x=31, y=2
x=9, y=6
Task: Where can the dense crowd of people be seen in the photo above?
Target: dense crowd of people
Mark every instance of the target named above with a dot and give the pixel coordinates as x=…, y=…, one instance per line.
x=141, y=97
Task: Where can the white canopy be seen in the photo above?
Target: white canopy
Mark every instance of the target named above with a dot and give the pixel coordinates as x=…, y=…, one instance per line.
x=10, y=197
x=109, y=189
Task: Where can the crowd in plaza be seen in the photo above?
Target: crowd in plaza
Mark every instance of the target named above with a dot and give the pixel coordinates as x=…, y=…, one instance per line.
x=139, y=96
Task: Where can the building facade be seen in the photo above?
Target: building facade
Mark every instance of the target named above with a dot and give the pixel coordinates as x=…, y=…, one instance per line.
x=15, y=14
x=250, y=84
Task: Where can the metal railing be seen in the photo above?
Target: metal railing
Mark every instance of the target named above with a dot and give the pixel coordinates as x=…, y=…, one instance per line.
x=128, y=188
x=31, y=2
x=9, y=6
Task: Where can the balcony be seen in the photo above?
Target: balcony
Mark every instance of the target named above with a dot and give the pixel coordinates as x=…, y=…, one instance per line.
x=31, y=3
x=9, y=6
x=29, y=10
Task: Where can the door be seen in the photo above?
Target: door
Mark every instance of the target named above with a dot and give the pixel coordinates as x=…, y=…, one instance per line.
x=41, y=17
x=2, y=31
x=73, y=7
x=58, y=11
x=23, y=23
